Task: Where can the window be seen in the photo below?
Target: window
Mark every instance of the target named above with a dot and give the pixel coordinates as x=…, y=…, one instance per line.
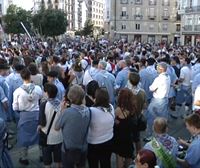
x=165, y=27
x=165, y=14
x=123, y=26
x=124, y=13
x=137, y=11
x=178, y=27
x=137, y=26
x=124, y=1
x=165, y=3
x=151, y=27
x=151, y=13
x=152, y=2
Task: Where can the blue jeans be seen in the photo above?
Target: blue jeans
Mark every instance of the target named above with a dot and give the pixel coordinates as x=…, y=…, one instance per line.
x=184, y=95
x=156, y=108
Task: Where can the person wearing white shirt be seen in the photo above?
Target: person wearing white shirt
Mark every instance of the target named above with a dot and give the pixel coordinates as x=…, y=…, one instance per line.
x=184, y=94
x=158, y=106
x=54, y=138
x=91, y=72
x=101, y=131
x=26, y=102
x=196, y=102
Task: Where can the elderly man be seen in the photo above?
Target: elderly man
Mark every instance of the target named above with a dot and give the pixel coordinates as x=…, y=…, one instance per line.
x=158, y=106
x=106, y=79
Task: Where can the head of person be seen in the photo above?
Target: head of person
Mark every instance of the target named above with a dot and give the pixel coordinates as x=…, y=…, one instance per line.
x=184, y=60
x=76, y=95
x=150, y=61
x=127, y=101
x=33, y=69
x=4, y=68
x=160, y=125
x=18, y=67
x=161, y=67
x=51, y=76
x=193, y=123
x=145, y=159
x=95, y=62
x=122, y=64
x=102, y=65
x=25, y=74
x=102, y=98
x=51, y=90
x=91, y=88
x=134, y=78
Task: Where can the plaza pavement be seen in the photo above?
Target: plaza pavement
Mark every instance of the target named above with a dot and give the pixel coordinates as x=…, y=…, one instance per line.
x=176, y=129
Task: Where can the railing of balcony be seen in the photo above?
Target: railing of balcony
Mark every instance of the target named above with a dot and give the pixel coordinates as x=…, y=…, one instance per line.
x=165, y=17
x=192, y=9
x=123, y=17
x=196, y=27
x=187, y=28
x=138, y=17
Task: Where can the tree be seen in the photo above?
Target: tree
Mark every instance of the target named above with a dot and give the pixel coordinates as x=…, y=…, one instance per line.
x=14, y=16
x=88, y=28
x=50, y=22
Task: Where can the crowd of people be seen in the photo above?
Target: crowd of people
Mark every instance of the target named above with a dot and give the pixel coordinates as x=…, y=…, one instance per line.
x=88, y=98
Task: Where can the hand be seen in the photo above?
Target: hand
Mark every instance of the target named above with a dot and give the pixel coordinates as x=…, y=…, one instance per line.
x=39, y=128
x=182, y=142
x=64, y=105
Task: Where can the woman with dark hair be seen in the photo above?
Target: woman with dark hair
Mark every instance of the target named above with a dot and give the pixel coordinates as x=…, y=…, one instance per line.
x=36, y=77
x=90, y=95
x=101, y=131
x=123, y=143
x=145, y=159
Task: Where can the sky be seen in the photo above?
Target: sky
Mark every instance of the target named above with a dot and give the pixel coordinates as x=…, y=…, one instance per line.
x=26, y=4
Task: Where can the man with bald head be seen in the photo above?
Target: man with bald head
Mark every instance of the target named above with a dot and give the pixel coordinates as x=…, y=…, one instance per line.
x=168, y=142
x=158, y=106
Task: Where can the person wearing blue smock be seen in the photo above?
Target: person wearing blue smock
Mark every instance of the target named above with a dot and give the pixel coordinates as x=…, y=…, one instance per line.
x=147, y=77
x=192, y=158
x=26, y=102
x=5, y=160
x=4, y=113
x=14, y=81
x=158, y=106
x=52, y=77
x=106, y=80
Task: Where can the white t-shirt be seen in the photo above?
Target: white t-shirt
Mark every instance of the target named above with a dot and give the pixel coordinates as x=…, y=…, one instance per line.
x=54, y=137
x=101, y=125
x=197, y=97
x=161, y=86
x=185, y=74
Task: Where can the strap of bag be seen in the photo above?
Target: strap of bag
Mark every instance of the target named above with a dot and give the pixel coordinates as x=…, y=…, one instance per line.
x=54, y=114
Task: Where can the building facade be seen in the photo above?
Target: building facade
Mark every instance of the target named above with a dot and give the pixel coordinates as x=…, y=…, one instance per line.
x=190, y=14
x=95, y=13
x=150, y=21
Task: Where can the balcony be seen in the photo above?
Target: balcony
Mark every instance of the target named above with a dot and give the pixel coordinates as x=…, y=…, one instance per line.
x=165, y=17
x=196, y=27
x=138, y=17
x=187, y=28
x=151, y=17
x=138, y=2
x=123, y=16
x=192, y=9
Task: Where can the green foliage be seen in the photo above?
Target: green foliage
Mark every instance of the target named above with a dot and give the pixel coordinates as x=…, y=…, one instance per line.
x=14, y=16
x=50, y=22
x=87, y=30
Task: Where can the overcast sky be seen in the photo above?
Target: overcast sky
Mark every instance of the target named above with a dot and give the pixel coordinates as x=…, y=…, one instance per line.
x=26, y=4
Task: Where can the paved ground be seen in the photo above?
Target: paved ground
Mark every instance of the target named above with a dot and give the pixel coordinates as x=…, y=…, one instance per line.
x=176, y=129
